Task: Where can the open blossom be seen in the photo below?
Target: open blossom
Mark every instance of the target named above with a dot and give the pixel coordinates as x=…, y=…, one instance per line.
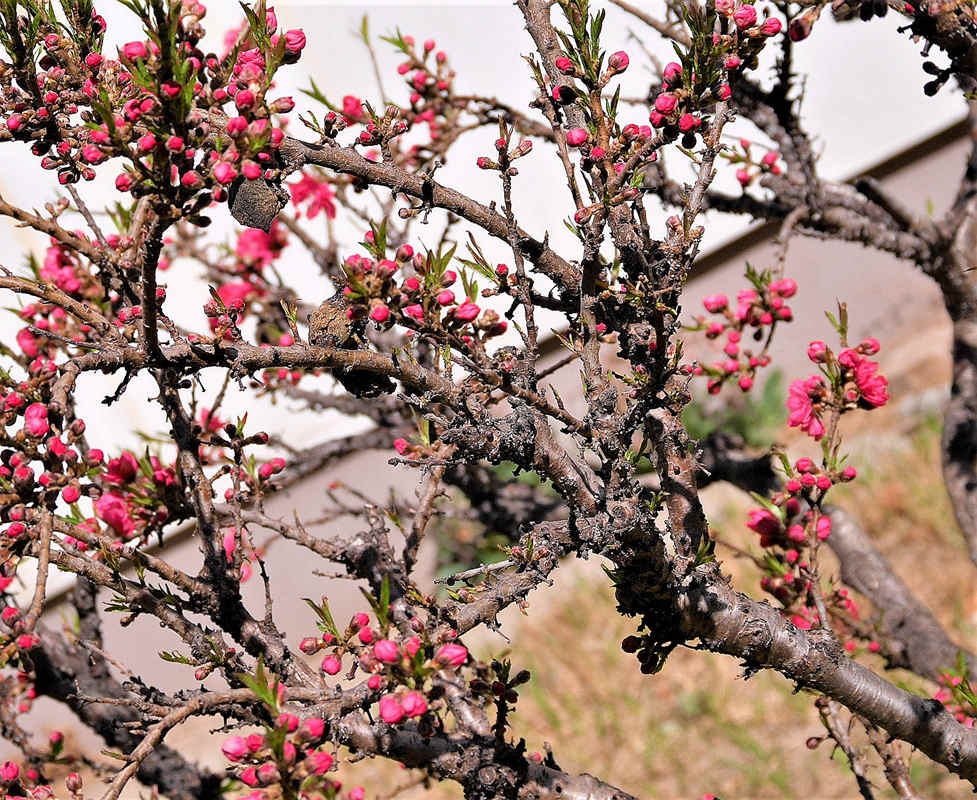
x=319, y=194
x=801, y=406
x=873, y=387
x=122, y=469
x=114, y=511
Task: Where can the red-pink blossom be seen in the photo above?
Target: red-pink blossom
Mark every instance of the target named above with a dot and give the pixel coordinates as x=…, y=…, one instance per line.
x=873, y=387
x=391, y=710
x=451, y=655
x=763, y=522
x=320, y=762
x=576, y=137
x=665, y=103
x=122, y=469
x=134, y=50
x=386, y=651
x=414, y=704
x=234, y=748
x=318, y=192
x=35, y=419
x=467, y=311
x=114, y=511
x=800, y=404
x=331, y=665
x=744, y=16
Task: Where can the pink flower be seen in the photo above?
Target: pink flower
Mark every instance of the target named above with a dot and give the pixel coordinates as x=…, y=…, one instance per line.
x=415, y=311
x=412, y=645
x=250, y=777
x=352, y=107
x=771, y=27
x=799, y=402
x=9, y=771
x=235, y=748
x=391, y=710
x=823, y=527
x=134, y=50
x=238, y=291
x=320, y=193
x=360, y=620
x=671, y=72
x=665, y=103
x=763, y=522
x=314, y=727
x=400, y=445
x=35, y=419
x=321, y=762
x=331, y=665
x=414, y=704
x=817, y=351
x=380, y=313
x=70, y=494
x=873, y=387
x=122, y=469
x=576, y=137
x=236, y=126
x=365, y=635
x=357, y=793
x=386, y=651
x=870, y=346
x=618, y=61
x=467, y=311
x=224, y=173
x=114, y=511
x=27, y=342
x=294, y=41
x=745, y=16
x=451, y=655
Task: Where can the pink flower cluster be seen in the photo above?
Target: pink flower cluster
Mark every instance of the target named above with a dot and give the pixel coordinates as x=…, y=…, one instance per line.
x=302, y=760
x=758, y=307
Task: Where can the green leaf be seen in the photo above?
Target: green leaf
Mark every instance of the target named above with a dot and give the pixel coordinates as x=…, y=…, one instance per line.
x=326, y=621
x=259, y=683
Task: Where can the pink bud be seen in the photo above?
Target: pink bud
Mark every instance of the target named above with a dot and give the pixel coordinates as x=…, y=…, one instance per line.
x=134, y=50
x=390, y=709
x=618, y=61
x=331, y=665
x=671, y=72
x=715, y=303
x=467, y=311
x=745, y=16
x=386, y=651
x=314, y=728
x=451, y=655
x=665, y=103
x=234, y=748
x=414, y=704
x=576, y=137
x=146, y=143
